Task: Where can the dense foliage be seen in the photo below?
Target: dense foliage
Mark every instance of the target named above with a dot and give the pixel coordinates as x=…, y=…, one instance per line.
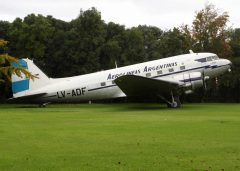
x=88, y=44
x=6, y=69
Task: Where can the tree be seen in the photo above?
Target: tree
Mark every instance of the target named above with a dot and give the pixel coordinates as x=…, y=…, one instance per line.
x=229, y=84
x=6, y=69
x=133, y=47
x=110, y=53
x=4, y=30
x=172, y=42
x=209, y=31
x=235, y=41
x=28, y=38
x=112, y=48
x=57, y=49
x=151, y=38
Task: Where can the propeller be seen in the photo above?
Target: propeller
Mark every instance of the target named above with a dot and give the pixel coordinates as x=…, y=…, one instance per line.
x=216, y=82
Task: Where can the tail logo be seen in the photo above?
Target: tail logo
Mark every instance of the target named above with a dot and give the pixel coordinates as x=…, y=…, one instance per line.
x=20, y=84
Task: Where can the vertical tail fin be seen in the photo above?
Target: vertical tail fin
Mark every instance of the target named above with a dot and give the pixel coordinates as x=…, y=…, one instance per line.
x=24, y=86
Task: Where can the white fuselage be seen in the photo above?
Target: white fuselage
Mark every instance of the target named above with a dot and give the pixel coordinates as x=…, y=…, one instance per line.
x=100, y=85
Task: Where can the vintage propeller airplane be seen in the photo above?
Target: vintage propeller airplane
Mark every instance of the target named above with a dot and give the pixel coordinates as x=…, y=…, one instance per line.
x=164, y=78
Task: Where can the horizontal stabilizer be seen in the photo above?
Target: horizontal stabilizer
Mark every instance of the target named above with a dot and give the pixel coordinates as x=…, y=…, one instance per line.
x=27, y=98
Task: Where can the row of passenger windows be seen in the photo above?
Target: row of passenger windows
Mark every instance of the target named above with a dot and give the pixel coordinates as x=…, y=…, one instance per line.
x=149, y=74
x=160, y=71
x=210, y=58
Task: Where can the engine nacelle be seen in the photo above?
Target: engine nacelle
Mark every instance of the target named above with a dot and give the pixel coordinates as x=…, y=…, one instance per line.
x=192, y=81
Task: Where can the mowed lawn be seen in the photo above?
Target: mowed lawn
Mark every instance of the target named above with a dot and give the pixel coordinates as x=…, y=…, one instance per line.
x=139, y=137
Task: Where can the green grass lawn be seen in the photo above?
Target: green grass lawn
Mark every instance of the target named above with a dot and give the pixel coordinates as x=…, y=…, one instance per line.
x=139, y=137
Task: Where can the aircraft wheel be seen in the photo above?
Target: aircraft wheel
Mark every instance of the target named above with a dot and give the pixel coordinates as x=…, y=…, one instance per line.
x=177, y=100
x=175, y=104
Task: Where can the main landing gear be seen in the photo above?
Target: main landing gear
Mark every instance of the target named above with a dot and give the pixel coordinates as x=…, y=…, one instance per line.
x=173, y=103
x=44, y=104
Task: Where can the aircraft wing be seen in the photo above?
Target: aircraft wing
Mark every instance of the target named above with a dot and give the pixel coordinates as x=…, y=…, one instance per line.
x=133, y=85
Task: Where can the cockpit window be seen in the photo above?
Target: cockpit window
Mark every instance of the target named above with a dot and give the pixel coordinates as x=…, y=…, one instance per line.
x=215, y=57
x=209, y=58
x=212, y=58
x=201, y=60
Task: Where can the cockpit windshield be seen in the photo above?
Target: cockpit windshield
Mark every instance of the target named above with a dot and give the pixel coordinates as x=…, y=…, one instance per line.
x=215, y=57
x=207, y=59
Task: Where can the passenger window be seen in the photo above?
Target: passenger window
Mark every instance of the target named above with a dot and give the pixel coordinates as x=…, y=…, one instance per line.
x=171, y=70
x=148, y=74
x=103, y=84
x=159, y=72
x=182, y=67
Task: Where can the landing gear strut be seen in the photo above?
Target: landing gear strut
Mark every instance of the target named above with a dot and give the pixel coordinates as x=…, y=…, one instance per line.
x=173, y=103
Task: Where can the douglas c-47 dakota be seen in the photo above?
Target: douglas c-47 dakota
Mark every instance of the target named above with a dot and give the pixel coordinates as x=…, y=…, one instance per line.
x=165, y=79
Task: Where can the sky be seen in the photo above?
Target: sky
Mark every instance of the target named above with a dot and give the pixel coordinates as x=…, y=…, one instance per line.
x=164, y=14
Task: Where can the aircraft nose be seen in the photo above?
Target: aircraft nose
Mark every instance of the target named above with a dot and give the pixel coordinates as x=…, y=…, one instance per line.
x=227, y=62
